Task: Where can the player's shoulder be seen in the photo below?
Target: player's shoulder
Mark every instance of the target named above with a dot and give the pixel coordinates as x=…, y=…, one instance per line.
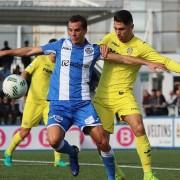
x=139, y=41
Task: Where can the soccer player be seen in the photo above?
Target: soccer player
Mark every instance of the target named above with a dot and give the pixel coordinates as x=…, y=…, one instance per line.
x=69, y=93
x=36, y=106
x=114, y=94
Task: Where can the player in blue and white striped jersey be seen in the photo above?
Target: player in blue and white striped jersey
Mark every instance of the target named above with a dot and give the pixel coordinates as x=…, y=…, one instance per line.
x=69, y=95
x=72, y=73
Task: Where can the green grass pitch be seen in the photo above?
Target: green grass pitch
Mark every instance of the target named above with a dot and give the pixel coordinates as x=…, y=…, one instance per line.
x=38, y=165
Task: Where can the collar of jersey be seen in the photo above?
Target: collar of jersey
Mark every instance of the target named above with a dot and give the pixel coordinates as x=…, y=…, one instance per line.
x=79, y=45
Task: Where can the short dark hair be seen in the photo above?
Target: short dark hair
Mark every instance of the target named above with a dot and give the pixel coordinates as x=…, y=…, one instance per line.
x=123, y=16
x=52, y=40
x=79, y=18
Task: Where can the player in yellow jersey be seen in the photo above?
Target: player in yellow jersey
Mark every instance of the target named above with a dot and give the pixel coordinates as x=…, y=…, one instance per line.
x=114, y=93
x=36, y=106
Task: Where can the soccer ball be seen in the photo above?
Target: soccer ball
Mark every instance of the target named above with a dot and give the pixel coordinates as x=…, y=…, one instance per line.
x=14, y=86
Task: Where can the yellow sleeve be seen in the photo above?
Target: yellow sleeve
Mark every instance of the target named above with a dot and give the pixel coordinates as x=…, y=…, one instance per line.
x=33, y=66
x=148, y=53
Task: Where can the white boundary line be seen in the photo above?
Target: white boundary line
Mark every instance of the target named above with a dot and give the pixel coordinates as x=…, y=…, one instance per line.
x=30, y=162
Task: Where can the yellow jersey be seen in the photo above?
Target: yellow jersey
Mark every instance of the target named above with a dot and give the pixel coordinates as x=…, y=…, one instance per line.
x=40, y=70
x=118, y=77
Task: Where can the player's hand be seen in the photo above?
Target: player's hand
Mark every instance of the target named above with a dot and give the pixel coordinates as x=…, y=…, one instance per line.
x=157, y=67
x=104, y=50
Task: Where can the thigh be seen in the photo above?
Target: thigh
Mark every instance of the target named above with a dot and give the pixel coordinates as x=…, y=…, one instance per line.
x=106, y=116
x=126, y=104
x=55, y=134
x=32, y=115
x=97, y=133
x=84, y=115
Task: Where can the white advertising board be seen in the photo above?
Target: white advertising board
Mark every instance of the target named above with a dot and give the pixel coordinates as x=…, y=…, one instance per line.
x=162, y=132
x=37, y=138
x=159, y=131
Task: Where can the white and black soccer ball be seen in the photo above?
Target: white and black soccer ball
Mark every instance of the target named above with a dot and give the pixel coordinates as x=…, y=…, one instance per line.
x=14, y=86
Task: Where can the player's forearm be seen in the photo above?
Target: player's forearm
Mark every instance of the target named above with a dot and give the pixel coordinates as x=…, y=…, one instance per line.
x=153, y=56
x=170, y=64
x=125, y=59
x=27, y=51
x=25, y=75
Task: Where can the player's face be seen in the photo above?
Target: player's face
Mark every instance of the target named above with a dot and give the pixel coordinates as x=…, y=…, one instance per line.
x=123, y=32
x=76, y=32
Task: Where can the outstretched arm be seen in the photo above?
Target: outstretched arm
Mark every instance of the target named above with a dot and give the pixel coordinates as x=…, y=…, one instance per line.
x=26, y=51
x=113, y=57
x=134, y=60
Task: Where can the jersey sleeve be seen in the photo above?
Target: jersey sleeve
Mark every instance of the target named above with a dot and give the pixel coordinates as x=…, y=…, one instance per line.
x=148, y=53
x=33, y=66
x=52, y=47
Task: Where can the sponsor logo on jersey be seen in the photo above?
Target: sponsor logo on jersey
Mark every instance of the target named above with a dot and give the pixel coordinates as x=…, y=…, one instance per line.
x=115, y=44
x=79, y=65
x=129, y=51
x=66, y=48
x=74, y=64
x=47, y=70
x=65, y=63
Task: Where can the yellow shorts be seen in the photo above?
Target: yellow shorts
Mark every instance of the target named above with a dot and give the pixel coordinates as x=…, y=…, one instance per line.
x=123, y=104
x=33, y=113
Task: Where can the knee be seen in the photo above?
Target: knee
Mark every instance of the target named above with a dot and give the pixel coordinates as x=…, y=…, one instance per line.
x=55, y=136
x=103, y=144
x=139, y=130
x=54, y=142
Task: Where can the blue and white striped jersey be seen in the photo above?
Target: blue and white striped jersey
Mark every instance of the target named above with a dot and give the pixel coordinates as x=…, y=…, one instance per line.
x=73, y=69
